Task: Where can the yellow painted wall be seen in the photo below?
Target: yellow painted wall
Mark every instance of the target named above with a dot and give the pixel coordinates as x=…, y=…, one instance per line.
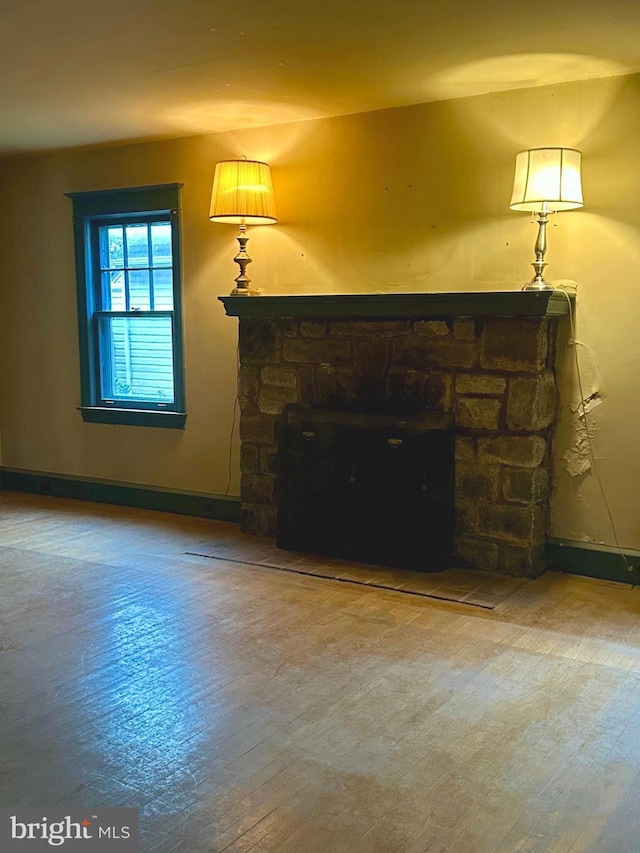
x=409, y=199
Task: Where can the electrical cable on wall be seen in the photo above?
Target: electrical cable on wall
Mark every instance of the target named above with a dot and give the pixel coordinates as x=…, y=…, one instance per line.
x=233, y=424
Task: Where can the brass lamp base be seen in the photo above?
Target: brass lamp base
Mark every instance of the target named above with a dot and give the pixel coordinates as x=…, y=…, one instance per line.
x=243, y=260
x=538, y=282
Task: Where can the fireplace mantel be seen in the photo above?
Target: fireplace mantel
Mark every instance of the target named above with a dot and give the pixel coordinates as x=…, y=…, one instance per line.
x=491, y=303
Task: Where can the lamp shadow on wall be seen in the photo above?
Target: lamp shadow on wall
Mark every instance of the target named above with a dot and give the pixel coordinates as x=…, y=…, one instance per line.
x=603, y=243
x=375, y=203
x=233, y=117
x=614, y=165
x=539, y=116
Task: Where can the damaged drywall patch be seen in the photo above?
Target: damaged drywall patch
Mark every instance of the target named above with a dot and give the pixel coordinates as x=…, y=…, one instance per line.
x=586, y=396
x=578, y=457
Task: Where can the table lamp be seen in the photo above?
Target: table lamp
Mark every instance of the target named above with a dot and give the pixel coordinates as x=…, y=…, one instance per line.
x=546, y=180
x=242, y=195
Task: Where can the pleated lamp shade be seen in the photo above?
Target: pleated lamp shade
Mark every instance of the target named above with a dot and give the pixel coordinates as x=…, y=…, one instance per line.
x=547, y=179
x=242, y=192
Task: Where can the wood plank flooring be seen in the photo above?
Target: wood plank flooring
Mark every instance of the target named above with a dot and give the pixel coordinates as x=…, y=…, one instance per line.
x=246, y=709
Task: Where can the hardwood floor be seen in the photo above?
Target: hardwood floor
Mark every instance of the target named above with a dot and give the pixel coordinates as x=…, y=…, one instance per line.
x=241, y=708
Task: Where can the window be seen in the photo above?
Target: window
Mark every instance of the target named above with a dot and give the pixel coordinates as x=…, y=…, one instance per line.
x=129, y=306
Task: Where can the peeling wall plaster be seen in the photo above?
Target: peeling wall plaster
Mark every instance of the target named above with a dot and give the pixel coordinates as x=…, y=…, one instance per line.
x=578, y=458
x=585, y=394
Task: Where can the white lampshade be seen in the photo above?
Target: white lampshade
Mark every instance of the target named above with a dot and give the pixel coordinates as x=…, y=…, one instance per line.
x=547, y=179
x=242, y=192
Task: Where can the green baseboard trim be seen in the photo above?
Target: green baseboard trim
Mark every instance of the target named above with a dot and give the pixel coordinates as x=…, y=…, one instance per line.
x=592, y=561
x=567, y=556
x=201, y=505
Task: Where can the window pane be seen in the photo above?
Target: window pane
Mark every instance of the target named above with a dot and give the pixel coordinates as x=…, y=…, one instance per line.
x=139, y=290
x=163, y=290
x=161, y=244
x=137, y=246
x=113, y=291
x=136, y=358
x=111, y=246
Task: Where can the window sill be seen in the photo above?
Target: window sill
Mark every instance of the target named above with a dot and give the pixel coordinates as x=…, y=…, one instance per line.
x=133, y=417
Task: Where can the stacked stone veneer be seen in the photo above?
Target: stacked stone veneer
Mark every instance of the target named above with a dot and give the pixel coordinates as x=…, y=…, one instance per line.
x=495, y=375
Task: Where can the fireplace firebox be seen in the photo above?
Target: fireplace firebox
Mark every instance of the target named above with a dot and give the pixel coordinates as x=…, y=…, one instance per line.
x=363, y=486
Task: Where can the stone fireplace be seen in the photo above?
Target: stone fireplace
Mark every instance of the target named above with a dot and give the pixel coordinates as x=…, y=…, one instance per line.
x=487, y=358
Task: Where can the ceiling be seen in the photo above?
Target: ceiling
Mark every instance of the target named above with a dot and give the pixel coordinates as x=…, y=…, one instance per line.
x=80, y=72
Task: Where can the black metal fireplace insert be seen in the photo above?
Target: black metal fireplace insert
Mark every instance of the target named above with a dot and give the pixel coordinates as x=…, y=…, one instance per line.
x=371, y=487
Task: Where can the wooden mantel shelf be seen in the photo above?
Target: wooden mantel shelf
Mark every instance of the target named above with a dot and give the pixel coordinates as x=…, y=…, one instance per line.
x=503, y=303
